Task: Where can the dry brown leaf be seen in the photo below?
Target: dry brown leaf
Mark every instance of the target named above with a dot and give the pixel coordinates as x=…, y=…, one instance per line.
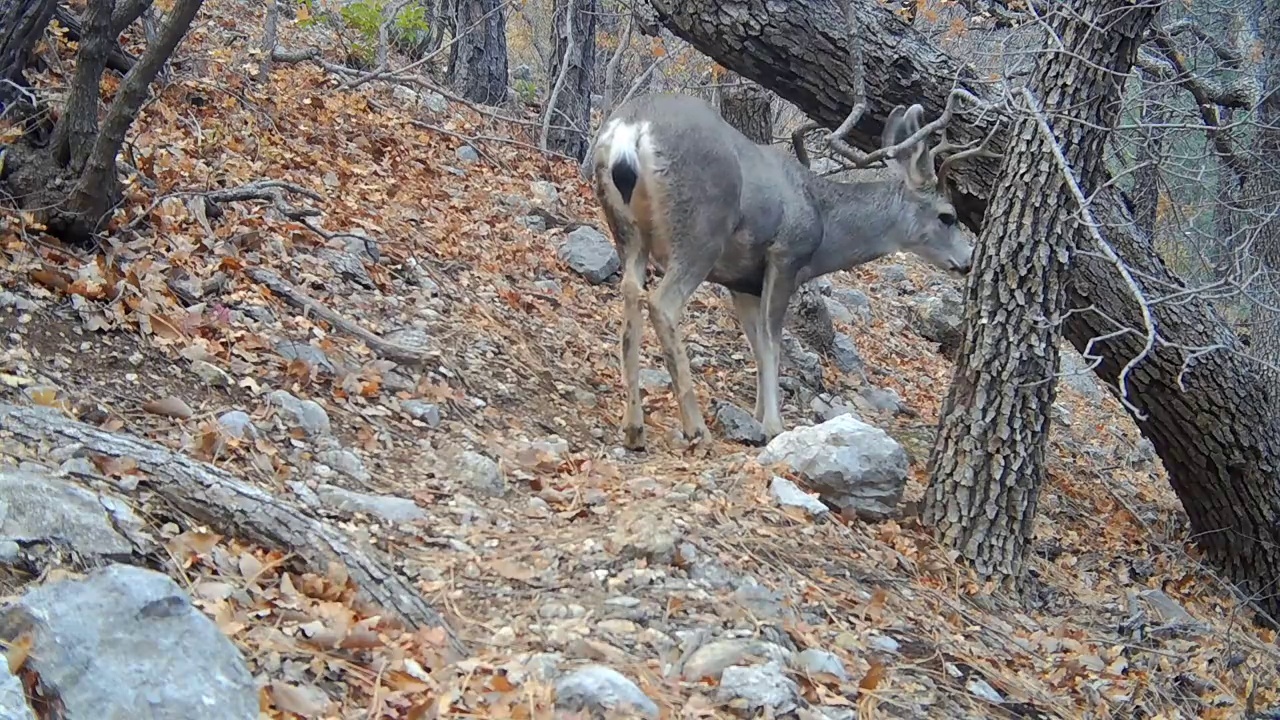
x=169, y=406
x=306, y=700
x=17, y=650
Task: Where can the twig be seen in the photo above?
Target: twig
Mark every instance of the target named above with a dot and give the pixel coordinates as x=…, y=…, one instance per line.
x=380, y=347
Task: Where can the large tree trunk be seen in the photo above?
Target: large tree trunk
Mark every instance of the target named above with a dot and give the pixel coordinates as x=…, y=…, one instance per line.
x=1264, y=185
x=1209, y=425
x=478, y=58
x=989, y=461
x=574, y=56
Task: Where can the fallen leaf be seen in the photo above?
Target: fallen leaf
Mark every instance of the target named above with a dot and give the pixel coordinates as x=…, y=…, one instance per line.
x=169, y=406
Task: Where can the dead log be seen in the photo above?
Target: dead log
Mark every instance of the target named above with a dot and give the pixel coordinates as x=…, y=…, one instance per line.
x=231, y=506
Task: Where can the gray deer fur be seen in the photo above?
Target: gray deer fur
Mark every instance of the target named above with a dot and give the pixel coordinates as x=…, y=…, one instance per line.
x=682, y=187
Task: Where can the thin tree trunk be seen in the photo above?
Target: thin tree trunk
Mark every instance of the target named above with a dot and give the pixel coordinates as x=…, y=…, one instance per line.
x=22, y=22
x=73, y=137
x=1263, y=186
x=478, y=56
x=573, y=55
x=988, y=464
x=1202, y=410
x=1146, y=177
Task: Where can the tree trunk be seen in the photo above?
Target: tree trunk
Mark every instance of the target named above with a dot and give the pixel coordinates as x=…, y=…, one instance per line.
x=748, y=108
x=1208, y=424
x=22, y=22
x=478, y=58
x=1146, y=177
x=575, y=57
x=988, y=464
x=1264, y=185
x=73, y=137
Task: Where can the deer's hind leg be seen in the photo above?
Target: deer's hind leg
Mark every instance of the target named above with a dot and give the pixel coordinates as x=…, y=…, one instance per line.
x=635, y=256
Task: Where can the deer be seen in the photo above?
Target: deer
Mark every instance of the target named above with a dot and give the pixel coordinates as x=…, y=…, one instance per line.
x=682, y=188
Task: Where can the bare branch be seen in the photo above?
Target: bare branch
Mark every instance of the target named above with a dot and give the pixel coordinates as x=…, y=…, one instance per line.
x=611, y=70
x=570, y=8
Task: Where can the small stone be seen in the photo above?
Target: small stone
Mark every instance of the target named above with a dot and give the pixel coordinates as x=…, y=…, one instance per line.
x=505, y=637
x=467, y=154
x=758, y=687
x=345, y=462
x=883, y=643
x=550, y=287
x=544, y=193
x=738, y=425
x=237, y=424
x=654, y=379
x=600, y=689
x=305, y=414
x=789, y=494
x=389, y=508
x=846, y=356
x=983, y=689
x=883, y=400
x=435, y=102
x=422, y=411
x=617, y=626
x=818, y=662
x=590, y=254
x=480, y=473
x=210, y=373
x=536, y=223
x=710, y=660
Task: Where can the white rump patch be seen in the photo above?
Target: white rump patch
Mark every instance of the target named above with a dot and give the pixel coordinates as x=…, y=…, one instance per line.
x=627, y=141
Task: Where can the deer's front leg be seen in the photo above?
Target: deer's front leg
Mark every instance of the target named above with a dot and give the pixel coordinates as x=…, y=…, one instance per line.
x=778, y=287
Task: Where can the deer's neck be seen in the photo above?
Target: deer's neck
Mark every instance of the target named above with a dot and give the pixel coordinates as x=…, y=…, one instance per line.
x=860, y=222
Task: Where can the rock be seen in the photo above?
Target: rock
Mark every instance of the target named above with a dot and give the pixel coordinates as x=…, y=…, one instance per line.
x=405, y=95
x=983, y=689
x=654, y=379
x=711, y=660
x=882, y=400
x=939, y=318
x=817, y=662
x=855, y=301
x=838, y=311
x=758, y=687
x=237, y=424
x=310, y=354
x=210, y=373
x=851, y=464
x=544, y=193
x=13, y=700
x=39, y=509
x=654, y=539
x=1076, y=373
x=467, y=154
x=345, y=462
x=348, y=266
x=479, y=473
x=846, y=356
x=124, y=641
x=789, y=494
x=883, y=643
x=435, y=102
x=826, y=407
x=17, y=302
x=1144, y=453
x=410, y=337
x=736, y=424
x=522, y=72
x=590, y=254
x=389, y=508
x=536, y=223
x=893, y=274
x=803, y=362
x=550, y=287
x=422, y=411
x=598, y=689
x=305, y=414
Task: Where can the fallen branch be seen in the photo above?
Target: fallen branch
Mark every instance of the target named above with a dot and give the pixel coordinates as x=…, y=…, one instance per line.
x=214, y=496
x=272, y=190
x=382, y=348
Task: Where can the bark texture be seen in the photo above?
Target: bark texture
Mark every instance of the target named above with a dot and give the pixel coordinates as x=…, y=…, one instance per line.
x=1146, y=176
x=22, y=22
x=576, y=57
x=988, y=464
x=1264, y=183
x=1221, y=449
x=478, y=58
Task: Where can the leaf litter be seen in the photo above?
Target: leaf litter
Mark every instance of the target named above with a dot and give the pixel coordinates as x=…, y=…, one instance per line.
x=590, y=555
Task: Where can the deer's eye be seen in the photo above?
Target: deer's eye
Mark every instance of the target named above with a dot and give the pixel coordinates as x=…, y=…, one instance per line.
x=947, y=218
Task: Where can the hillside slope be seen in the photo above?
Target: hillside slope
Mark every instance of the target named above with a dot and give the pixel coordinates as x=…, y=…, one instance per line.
x=569, y=550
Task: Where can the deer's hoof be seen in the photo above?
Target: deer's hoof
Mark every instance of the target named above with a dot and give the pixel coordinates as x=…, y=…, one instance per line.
x=633, y=437
x=699, y=444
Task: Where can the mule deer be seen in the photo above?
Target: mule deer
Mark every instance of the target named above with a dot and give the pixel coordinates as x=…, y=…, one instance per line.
x=682, y=187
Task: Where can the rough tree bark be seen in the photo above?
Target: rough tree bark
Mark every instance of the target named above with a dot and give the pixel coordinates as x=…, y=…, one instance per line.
x=988, y=464
x=1263, y=185
x=1146, y=176
x=478, y=57
x=571, y=111
x=1208, y=424
x=22, y=22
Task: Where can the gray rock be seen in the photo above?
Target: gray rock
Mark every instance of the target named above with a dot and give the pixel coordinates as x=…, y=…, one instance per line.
x=126, y=642
x=544, y=193
x=550, y=287
x=17, y=302
x=410, y=337
x=787, y=493
x=1076, y=374
x=391, y=509
x=815, y=662
x=522, y=72
x=13, y=700
x=39, y=509
x=654, y=379
x=590, y=254
x=805, y=363
x=855, y=301
x=479, y=473
x=846, y=356
x=405, y=95
x=467, y=154
x=237, y=424
x=210, y=373
x=345, y=462
x=737, y=425
x=882, y=400
x=838, y=311
x=423, y=411
x=893, y=274
x=851, y=464
x=939, y=318
x=536, y=223
x=435, y=102
x=711, y=660
x=600, y=689
x=305, y=414
x=758, y=687
x=348, y=266
x=310, y=354
x=883, y=643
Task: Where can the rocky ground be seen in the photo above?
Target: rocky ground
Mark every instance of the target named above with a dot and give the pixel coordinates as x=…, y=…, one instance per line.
x=412, y=338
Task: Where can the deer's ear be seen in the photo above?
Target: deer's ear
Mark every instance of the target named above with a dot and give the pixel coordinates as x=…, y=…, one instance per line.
x=892, y=133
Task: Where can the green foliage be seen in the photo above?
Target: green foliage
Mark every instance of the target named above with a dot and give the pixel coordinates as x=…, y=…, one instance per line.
x=409, y=30
x=527, y=90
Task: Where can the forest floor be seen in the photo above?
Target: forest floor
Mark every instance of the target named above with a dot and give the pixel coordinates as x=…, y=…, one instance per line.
x=584, y=553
